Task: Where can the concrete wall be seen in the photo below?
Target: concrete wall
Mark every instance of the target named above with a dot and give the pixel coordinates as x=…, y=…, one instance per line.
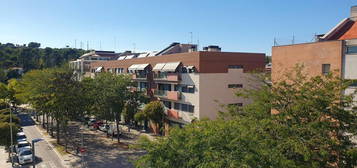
x=214, y=90
x=311, y=55
x=190, y=98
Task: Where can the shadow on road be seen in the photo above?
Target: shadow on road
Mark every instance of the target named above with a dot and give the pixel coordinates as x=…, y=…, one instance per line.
x=26, y=120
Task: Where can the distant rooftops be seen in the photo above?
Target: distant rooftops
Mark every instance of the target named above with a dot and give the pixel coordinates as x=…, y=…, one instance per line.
x=173, y=48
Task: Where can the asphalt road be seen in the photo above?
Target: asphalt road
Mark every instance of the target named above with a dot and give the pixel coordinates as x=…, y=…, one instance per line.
x=45, y=155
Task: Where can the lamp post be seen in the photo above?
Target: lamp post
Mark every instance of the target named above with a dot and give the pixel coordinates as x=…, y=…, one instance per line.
x=33, y=150
x=11, y=137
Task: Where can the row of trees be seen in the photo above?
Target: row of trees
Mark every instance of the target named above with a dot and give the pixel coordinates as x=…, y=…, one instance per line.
x=33, y=57
x=312, y=125
x=6, y=99
x=59, y=98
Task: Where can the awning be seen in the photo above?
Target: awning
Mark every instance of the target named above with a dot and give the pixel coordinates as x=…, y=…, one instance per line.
x=129, y=57
x=133, y=67
x=137, y=67
x=171, y=66
x=99, y=69
x=121, y=58
x=158, y=66
x=142, y=66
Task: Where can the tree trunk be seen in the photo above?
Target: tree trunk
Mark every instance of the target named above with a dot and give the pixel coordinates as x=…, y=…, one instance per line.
x=51, y=130
x=58, y=131
x=43, y=120
x=117, y=122
x=47, y=125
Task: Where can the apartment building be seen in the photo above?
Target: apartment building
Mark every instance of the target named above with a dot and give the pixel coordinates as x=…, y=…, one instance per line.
x=191, y=84
x=334, y=51
x=82, y=65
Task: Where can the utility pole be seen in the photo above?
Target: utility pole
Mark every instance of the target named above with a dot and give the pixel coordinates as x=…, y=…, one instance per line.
x=11, y=137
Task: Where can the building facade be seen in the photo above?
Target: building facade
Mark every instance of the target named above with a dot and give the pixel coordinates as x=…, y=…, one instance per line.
x=335, y=51
x=191, y=84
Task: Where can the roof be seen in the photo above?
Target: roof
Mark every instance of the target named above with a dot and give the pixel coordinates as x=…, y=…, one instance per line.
x=344, y=30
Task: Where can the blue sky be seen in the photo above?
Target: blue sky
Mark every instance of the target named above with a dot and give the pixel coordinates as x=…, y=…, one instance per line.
x=235, y=25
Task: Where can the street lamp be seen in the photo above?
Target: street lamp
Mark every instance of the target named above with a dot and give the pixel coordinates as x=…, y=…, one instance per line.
x=33, y=150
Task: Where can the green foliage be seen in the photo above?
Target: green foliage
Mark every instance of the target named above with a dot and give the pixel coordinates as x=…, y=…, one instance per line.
x=6, y=118
x=33, y=57
x=5, y=138
x=155, y=111
x=312, y=127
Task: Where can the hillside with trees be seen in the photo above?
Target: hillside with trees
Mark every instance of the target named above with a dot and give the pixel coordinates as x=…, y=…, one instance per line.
x=31, y=56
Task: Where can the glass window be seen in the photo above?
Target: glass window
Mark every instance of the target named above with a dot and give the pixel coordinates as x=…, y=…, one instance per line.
x=325, y=69
x=351, y=49
x=235, y=85
x=177, y=106
x=184, y=89
x=191, y=89
x=167, y=104
x=191, y=108
x=235, y=66
x=184, y=107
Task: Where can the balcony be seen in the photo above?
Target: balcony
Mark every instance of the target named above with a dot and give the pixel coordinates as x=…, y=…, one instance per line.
x=170, y=77
x=139, y=76
x=171, y=95
x=173, y=114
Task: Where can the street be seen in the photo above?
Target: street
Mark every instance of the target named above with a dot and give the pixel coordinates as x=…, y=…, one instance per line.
x=45, y=155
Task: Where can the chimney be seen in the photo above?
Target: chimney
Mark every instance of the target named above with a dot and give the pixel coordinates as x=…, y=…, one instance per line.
x=353, y=15
x=213, y=48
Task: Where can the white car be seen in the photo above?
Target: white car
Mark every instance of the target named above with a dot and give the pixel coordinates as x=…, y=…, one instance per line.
x=22, y=145
x=20, y=136
x=25, y=156
x=104, y=127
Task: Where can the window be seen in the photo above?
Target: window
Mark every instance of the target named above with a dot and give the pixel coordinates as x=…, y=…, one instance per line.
x=236, y=104
x=167, y=104
x=184, y=107
x=235, y=66
x=191, y=108
x=188, y=88
x=351, y=50
x=325, y=69
x=235, y=85
x=177, y=106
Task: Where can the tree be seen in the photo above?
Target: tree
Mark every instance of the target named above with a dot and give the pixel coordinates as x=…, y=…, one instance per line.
x=135, y=99
x=155, y=112
x=311, y=126
x=34, y=45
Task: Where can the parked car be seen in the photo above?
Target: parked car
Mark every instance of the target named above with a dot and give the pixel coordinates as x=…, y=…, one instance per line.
x=22, y=145
x=104, y=127
x=91, y=122
x=25, y=156
x=20, y=136
x=97, y=124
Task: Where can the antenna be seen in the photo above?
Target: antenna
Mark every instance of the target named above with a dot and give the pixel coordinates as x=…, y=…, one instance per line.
x=275, y=43
x=87, y=45
x=198, y=42
x=293, y=41
x=191, y=38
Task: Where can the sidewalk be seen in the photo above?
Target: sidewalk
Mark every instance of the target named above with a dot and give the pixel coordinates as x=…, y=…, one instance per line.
x=4, y=158
x=101, y=151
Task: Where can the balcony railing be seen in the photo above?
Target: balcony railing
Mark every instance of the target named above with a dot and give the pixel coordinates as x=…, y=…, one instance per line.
x=172, y=95
x=173, y=77
x=139, y=76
